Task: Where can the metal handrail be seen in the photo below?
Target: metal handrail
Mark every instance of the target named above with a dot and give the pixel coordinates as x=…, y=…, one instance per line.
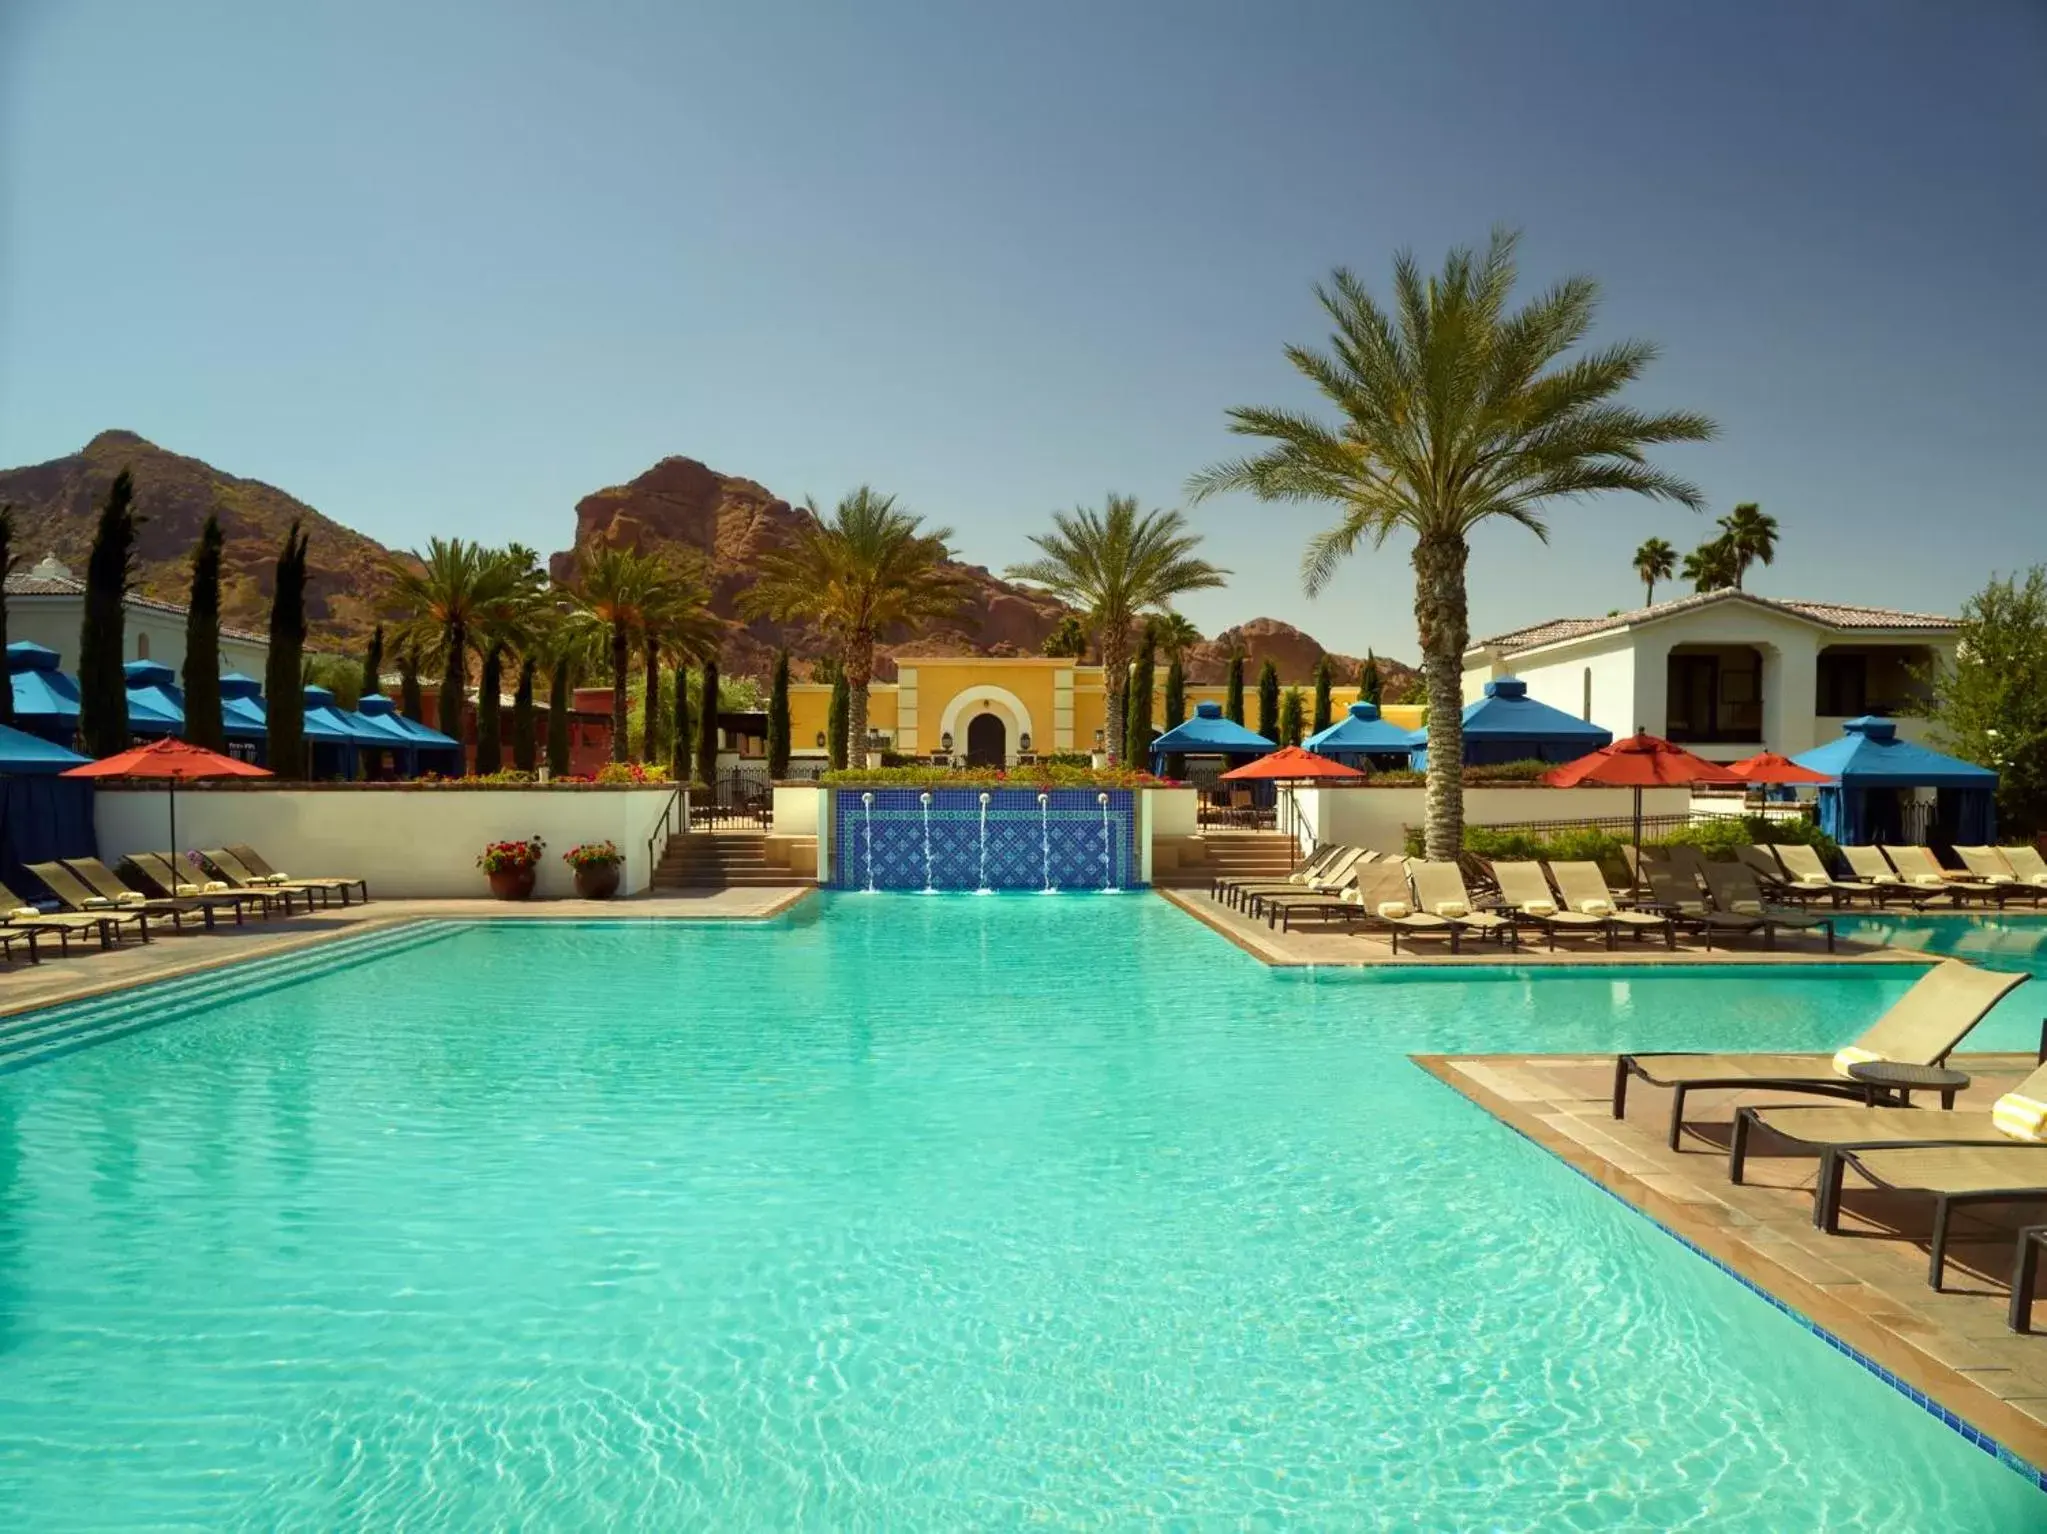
x=662, y=832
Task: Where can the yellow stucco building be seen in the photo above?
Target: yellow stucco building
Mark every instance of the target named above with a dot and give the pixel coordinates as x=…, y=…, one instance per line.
x=992, y=709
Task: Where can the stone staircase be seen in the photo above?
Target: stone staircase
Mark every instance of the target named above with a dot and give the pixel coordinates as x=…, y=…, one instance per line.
x=1232, y=855
x=719, y=860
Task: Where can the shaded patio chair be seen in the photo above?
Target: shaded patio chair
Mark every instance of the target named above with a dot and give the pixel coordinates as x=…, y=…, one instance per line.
x=1528, y=898
x=1584, y=889
x=1679, y=897
x=74, y=895
x=1918, y=866
x=1734, y=890
x=103, y=881
x=159, y=869
x=1804, y=865
x=1872, y=868
x=21, y=916
x=2027, y=866
x=1439, y=891
x=1922, y=1027
x=1382, y=900
x=238, y=876
x=252, y=860
x=1957, y=1177
x=1987, y=865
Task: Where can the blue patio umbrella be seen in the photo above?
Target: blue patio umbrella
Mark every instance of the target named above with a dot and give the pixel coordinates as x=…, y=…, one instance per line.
x=1207, y=734
x=156, y=706
x=45, y=699
x=1362, y=739
x=1506, y=725
x=1870, y=764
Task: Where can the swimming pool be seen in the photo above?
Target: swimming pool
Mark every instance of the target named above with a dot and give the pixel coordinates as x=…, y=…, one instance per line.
x=905, y=1212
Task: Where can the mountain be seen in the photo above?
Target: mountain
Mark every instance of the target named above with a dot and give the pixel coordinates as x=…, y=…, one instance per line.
x=56, y=507
x=1295, y=655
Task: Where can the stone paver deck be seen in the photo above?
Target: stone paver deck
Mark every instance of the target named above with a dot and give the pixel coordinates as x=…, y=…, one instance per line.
x=1867, y=1286
x=91, y=971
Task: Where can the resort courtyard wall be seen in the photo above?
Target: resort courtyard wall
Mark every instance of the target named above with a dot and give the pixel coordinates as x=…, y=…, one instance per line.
x=408, y=840
x=1378, y=818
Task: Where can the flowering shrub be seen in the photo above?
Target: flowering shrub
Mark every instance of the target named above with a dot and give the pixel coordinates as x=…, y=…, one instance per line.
x=630, y=772
x=507, y=857
x=592, y=855
x=1040, y=775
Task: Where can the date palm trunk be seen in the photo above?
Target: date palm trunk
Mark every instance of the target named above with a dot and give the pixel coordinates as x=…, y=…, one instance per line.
x=1443, y=624
x=859, y=672
x=621, y=747
x=650, y=735
x=454, y=678
x=1115, y=647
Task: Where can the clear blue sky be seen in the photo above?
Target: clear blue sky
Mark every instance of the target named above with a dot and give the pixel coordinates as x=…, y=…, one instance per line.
x=447, y=267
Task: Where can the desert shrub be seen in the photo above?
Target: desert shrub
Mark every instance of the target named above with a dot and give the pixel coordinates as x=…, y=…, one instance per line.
x=1718, y=837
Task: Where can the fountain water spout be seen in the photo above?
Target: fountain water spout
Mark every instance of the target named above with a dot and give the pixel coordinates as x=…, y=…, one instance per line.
x=1108, y=861
x=1045, y=841
x=925, y=800
x=867, y=812
x=984, y=890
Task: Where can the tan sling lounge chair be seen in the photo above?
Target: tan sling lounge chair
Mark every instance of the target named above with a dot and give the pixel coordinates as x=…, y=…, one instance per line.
x=1957, y=1176
x=1921, y=1028
x=1584, y=890
x=1678, y=895
x=252, y=860
x=169, y=875
x=1317, y=863
x=1439, y=891
x=1987, y=865
x=75, y=895
x=1735, y=891
x=1803, y=864
x=23, y=917
x=1383, y=899
x=104, y=882
x=1918, y=866
x=1528, y=896
x=2027, y=866
x=237, y=875
x=1332, y=876
x=1871, y=867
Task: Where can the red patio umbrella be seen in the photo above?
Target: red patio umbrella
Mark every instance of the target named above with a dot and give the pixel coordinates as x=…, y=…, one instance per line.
x=1290, y=764
x=173, y=761
x=1638, y=761
x=1769, y=767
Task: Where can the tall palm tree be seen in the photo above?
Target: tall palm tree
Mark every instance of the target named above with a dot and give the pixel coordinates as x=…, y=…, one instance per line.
x=1751, y=538
x=444, y=602
x=1710, y=566
x=1116, y=566
x=1068, y=638
x=676, y=625
x=1453, y=412
x=613, y=587
x=1174, y=634
x=869, y=568
x=1654, y=561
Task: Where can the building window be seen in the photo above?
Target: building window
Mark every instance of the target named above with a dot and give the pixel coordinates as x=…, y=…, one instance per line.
x=1843, y=684
x=141, y=645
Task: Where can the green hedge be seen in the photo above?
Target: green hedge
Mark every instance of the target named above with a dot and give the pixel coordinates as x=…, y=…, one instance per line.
x=1041, y=775
x=1716, y=838
x=1478, y=776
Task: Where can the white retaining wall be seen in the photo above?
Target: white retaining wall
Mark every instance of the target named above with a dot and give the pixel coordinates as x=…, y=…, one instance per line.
x=1378, y=818
x=407, y=841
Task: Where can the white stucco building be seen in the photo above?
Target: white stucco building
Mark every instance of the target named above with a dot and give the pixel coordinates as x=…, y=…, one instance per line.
x=46, y=604
x=1726, y=673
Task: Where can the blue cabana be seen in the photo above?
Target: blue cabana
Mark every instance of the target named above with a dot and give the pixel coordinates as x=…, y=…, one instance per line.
x=431, y=750
x=45, y=699
x=1362, y=739
x=1506, y=725
x=331, y=736
x=155, y=705
x=1872, y=769
x=1207, y=734
x=42, y=816
x=29, y=755
x=241, y=712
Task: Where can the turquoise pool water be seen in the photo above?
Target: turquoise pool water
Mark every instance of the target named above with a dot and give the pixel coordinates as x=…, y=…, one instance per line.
x=911, y=1213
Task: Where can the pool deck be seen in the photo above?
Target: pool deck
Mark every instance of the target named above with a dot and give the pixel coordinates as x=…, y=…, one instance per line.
x=92, y=971
x=1323, y=944
x=1866, y=1286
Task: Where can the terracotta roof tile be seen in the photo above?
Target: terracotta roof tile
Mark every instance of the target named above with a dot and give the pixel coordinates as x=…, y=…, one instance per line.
x=1840, y=615
x=28, y=584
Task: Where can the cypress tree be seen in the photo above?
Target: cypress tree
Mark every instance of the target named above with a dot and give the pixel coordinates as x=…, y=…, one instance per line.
x=1176, y=712
x=680, y=743
x=454, y=677
x=410, y=703
x=650, y=723
x=6, y=567
x=707, y=726
x=1369, y=684
x=837, y=720
x=560, y=693
x=284, y=698
x=522, y=716
x=102, y=686
x=1268, y=701
x=1137, y=730
x=778, y=719
x=202, y=643
x=490, y=754
x=1322, y=704
x=1290, y=712
x=373, y=665
x=1233, y=699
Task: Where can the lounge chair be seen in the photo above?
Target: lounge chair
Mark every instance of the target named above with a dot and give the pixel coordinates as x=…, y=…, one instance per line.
x=1803, y=864
x=1327, y=879
x=1584, y=890
x=160, y=869
x=1735, y=891
x=1988, y=865
x=74, y=894
x=104, y=882
x=1439, y=891
x=1958, y=1177
x=252, y=860
x=1317, y=862
x=1382, y=898
x=1871, y=867
x=232, y=873
x=1678, y=896
x=1778, y=881
x=1282, y=908
x=1528, y=896
x=1918, y=866
x=19, y=915
x=1920, y=1028
x=2027, y=866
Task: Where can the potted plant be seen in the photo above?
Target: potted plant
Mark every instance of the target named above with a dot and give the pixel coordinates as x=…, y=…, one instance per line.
x=596, y=867
x=511, y=867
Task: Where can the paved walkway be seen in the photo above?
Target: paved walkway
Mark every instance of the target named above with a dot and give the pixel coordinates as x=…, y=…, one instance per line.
x=1867, y=1285
x=90, y=970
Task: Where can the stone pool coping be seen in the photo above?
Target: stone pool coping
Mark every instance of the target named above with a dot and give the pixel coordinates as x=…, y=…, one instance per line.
x=1950, y=1352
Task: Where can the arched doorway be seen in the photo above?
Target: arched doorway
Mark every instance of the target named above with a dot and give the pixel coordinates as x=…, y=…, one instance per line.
x=987, y=741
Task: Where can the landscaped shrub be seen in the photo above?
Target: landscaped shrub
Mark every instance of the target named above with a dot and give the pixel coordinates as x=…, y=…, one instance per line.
x=1474, y=777
x=1038, y=775
x=1718, y=837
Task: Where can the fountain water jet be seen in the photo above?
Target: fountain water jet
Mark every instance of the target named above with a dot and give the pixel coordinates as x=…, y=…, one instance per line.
x=1108, y=862
x=984, y=890
x=867, y=812
x=925, y=800
x=1045, y=842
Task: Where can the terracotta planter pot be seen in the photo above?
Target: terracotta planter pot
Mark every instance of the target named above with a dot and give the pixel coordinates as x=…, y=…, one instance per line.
x=597, y=882
x=513, y=883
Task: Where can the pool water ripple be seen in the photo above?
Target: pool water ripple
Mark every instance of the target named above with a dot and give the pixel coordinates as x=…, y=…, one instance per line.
x=907, y=1213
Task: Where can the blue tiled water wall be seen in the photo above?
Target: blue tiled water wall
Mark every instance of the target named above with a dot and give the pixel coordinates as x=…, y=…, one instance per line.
x=1026, y=841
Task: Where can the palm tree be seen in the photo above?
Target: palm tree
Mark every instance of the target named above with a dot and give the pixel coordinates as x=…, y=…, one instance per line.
x=1453, y=412
x=1750, y=536
x=1654, y=561
x=444, y=600
x=868, y=568
x=1174, y=634
x=675, y=624
x=1710, y=566
x=613, y=588
x=1068, y=638
x=1116, y=566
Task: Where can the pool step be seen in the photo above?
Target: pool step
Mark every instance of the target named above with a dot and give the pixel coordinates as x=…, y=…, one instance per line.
x=29, y=1038
x=720, y=860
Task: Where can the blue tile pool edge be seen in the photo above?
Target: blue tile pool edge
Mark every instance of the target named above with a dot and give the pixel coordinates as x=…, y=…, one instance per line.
x=2010, y=1458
